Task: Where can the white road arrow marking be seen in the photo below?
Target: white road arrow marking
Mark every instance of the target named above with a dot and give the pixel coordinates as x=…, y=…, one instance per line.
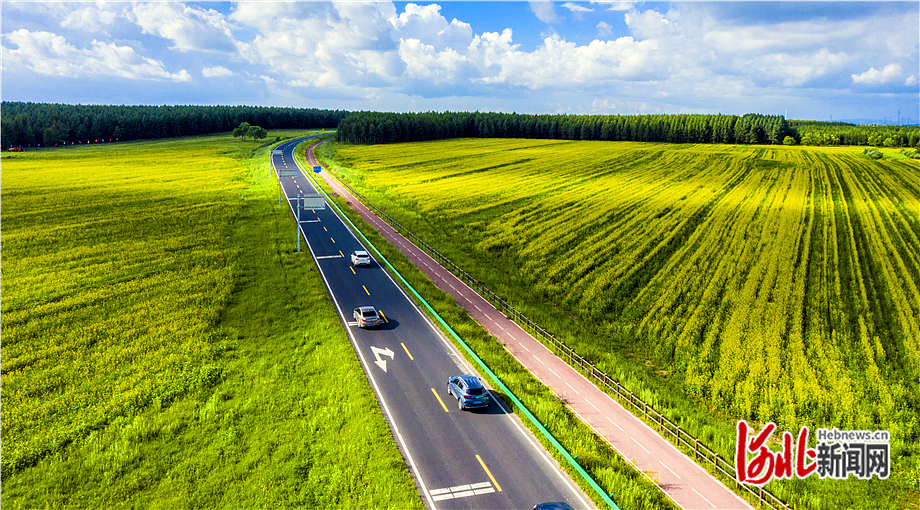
x=380, y=362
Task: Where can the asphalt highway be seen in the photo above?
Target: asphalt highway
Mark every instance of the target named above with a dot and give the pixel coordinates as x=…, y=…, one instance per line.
x=459, y=459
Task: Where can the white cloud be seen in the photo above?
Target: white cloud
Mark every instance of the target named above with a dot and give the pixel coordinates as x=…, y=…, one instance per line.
x=616, y=5
x=428, y=25
x=694, y=56
x=888, y=74
x=90, y=18
x=424, y=63
x=562, y=64
x=604, y=29
x=189, y=28
x=577, y=9
x=544, y=11
x=50, y=54
x=216, y=72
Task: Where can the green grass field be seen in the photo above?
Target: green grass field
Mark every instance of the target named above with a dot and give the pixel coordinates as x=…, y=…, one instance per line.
x=767, y=283
x=164, y=347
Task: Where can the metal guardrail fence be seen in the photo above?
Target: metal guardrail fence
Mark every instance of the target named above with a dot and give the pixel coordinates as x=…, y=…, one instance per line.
x=702, y=454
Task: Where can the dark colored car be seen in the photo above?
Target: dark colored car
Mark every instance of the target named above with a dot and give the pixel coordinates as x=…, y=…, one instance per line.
x=553, y=506
x=468, y=391
x=367, y=316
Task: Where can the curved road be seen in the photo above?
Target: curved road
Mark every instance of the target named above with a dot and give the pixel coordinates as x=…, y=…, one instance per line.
x=459, y=459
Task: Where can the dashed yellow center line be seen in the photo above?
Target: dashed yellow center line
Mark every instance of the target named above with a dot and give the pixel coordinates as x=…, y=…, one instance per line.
x=497, y=487
x=352, y=270
x=365, y=290
x=333, y=241
x=407, y=351
x=324, y=228
x=342, y=254
x=446, y=411
x=384, y=316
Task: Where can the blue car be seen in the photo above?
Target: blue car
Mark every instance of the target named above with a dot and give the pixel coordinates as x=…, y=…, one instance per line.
x=468, y=391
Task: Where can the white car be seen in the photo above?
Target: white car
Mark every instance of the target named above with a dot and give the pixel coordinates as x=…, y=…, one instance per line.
x=360, y=258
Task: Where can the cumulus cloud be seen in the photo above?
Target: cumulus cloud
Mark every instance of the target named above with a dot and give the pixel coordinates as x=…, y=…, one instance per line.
x=216, y=72
x=189, y=28
x=90, y=18
x=577, y=9
x=888, y=74
x=700, y=54
x=50, y=54
x=428, y=25
x=604, y=29
x=544, y=11
x=615, y=5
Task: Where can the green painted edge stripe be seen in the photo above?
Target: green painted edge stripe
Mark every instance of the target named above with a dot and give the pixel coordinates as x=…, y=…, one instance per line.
x=603, y=494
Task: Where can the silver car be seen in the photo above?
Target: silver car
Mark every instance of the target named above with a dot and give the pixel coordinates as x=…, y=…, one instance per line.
x=367, y=316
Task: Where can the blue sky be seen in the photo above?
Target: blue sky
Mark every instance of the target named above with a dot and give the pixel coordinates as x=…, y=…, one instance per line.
x=809, y=60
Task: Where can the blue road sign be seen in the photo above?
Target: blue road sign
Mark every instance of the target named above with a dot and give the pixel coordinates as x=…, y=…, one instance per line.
x=317, y=169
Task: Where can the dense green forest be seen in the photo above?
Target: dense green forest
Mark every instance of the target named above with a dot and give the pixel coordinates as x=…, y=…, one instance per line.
x=43, y=124
x=377, y=127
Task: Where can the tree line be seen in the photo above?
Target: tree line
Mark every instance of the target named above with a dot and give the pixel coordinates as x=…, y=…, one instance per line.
x=840, y=133
x=377, y=127
x=44, y=124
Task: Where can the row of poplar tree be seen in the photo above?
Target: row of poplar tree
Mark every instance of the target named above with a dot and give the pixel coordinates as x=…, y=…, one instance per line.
x=376, y=127
x=44, y=124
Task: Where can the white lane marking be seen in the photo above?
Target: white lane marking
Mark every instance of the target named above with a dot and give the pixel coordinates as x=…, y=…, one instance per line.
x=462, y=491
x=615, y=423
x=669, y=469
x=525, y=347
x=573, y=389
x=592, y=405
x=554, y=372
x=704, y=497
x=476, y=307
x=538, y=359
x=497, y=325
x=321, y=257
x=640, y=445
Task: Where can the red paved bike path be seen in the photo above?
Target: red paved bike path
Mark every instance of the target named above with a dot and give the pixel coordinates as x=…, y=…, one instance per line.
x=684, y=481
